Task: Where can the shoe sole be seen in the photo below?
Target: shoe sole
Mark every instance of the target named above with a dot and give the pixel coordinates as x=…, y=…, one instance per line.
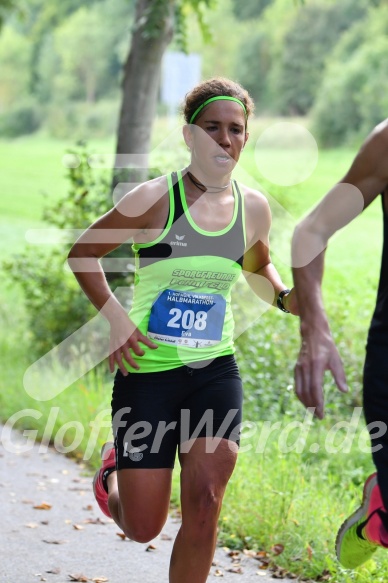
x=104, y=454
x=358, y=514
x=106, y=449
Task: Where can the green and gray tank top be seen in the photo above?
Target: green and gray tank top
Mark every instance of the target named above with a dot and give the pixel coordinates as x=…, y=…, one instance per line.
x=183, y=283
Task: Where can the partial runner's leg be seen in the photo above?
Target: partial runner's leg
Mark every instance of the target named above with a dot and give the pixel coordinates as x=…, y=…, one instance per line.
x=204, y=477
x=367, y=528
x=139, y=501
x=376, y=411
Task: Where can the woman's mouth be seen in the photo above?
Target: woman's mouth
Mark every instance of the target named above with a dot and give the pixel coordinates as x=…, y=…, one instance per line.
x=222, y=159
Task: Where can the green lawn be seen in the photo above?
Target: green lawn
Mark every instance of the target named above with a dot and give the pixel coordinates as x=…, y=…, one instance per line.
x=295, y=499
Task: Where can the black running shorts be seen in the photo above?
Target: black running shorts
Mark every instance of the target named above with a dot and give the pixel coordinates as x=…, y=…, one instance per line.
x=154, y=413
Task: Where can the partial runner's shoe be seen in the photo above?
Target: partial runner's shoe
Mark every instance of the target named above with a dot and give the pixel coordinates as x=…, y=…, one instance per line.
x=108, y=465
x=360, y=535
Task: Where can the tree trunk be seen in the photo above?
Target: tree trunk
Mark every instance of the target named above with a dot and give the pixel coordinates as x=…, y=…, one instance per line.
x=140, y=89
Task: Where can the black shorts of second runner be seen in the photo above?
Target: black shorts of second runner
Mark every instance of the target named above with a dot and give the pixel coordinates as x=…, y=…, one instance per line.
x=155, y=413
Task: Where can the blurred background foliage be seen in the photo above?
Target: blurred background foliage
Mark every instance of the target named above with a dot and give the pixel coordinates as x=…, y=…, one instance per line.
x=62, y=63
x=62, y=72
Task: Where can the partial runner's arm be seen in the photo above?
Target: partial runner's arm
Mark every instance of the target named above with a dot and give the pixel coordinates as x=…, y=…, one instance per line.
x=367, y=177
x=259, y=270
x=133, y=215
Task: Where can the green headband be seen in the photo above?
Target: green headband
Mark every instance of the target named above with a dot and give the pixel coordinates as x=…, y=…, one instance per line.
x=218, y=97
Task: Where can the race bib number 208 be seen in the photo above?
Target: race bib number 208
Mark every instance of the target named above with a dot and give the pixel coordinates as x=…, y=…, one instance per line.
x=187, y=318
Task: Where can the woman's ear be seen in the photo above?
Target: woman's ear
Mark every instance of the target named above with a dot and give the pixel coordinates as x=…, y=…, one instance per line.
x=246, y=138
x=188, y=136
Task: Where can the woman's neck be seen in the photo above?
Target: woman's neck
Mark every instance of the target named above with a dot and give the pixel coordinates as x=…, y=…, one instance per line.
x=206, y=184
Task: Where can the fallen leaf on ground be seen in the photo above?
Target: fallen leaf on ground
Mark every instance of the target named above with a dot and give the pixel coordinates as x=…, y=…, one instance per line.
x=250, y=553
x=88, y=507
x=43, y=506
x=54, y=571
x=277, y=549
x=31, y=525
x=100, y=579
x=237, y=570
x=165, y=537
x=81, y=578
x=280, y=573
x=78, y=527
x=324, y=576
x=218, y=573
x=54, y=541
x=94, y=521
x=234, y=554
x=121, y=535
x=151, y=548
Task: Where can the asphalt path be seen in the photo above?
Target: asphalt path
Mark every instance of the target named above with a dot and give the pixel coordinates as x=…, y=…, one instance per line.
x=51, y=529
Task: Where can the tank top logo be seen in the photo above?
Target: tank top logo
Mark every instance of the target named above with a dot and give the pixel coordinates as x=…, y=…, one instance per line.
x=179, y=241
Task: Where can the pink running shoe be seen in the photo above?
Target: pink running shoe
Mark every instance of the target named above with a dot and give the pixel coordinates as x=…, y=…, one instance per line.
x=361, y=534
x=108, y=458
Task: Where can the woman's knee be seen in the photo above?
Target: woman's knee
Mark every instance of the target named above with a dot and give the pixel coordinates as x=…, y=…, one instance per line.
x=204, y=501
x=142, y=530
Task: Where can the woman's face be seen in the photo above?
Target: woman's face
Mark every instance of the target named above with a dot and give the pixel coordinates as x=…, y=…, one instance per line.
x=217, y=137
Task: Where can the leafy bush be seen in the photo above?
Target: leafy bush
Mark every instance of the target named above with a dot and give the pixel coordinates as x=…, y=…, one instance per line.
x=354, y=98
x=254, y=63
x=249, y=9
x=310, y=38
x=78, y=120
x=20, y=120
x=56, y=306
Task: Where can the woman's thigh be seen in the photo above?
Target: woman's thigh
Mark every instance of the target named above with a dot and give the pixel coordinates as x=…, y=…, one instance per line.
x=205, y=471
x=145, y=496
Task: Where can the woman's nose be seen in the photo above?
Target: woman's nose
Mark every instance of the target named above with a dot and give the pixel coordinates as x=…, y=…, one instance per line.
x=224, y=138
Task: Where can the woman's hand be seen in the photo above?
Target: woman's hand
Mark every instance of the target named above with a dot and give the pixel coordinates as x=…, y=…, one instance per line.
x=125, y=338
x=290, y=302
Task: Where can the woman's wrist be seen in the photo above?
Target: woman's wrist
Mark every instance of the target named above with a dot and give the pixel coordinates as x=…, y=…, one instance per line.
x=282, y=300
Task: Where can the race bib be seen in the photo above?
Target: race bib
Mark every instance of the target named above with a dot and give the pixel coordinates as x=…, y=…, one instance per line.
x=187, y=318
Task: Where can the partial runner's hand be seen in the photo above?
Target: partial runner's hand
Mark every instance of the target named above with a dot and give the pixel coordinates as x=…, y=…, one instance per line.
x=124, y=338
x=317, y=354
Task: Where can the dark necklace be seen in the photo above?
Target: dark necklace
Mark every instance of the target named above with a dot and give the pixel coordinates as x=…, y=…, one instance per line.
x=205, y=188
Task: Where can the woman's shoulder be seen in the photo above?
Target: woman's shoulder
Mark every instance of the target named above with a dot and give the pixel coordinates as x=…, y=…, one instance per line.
x=145, y=196
x=254, y=200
